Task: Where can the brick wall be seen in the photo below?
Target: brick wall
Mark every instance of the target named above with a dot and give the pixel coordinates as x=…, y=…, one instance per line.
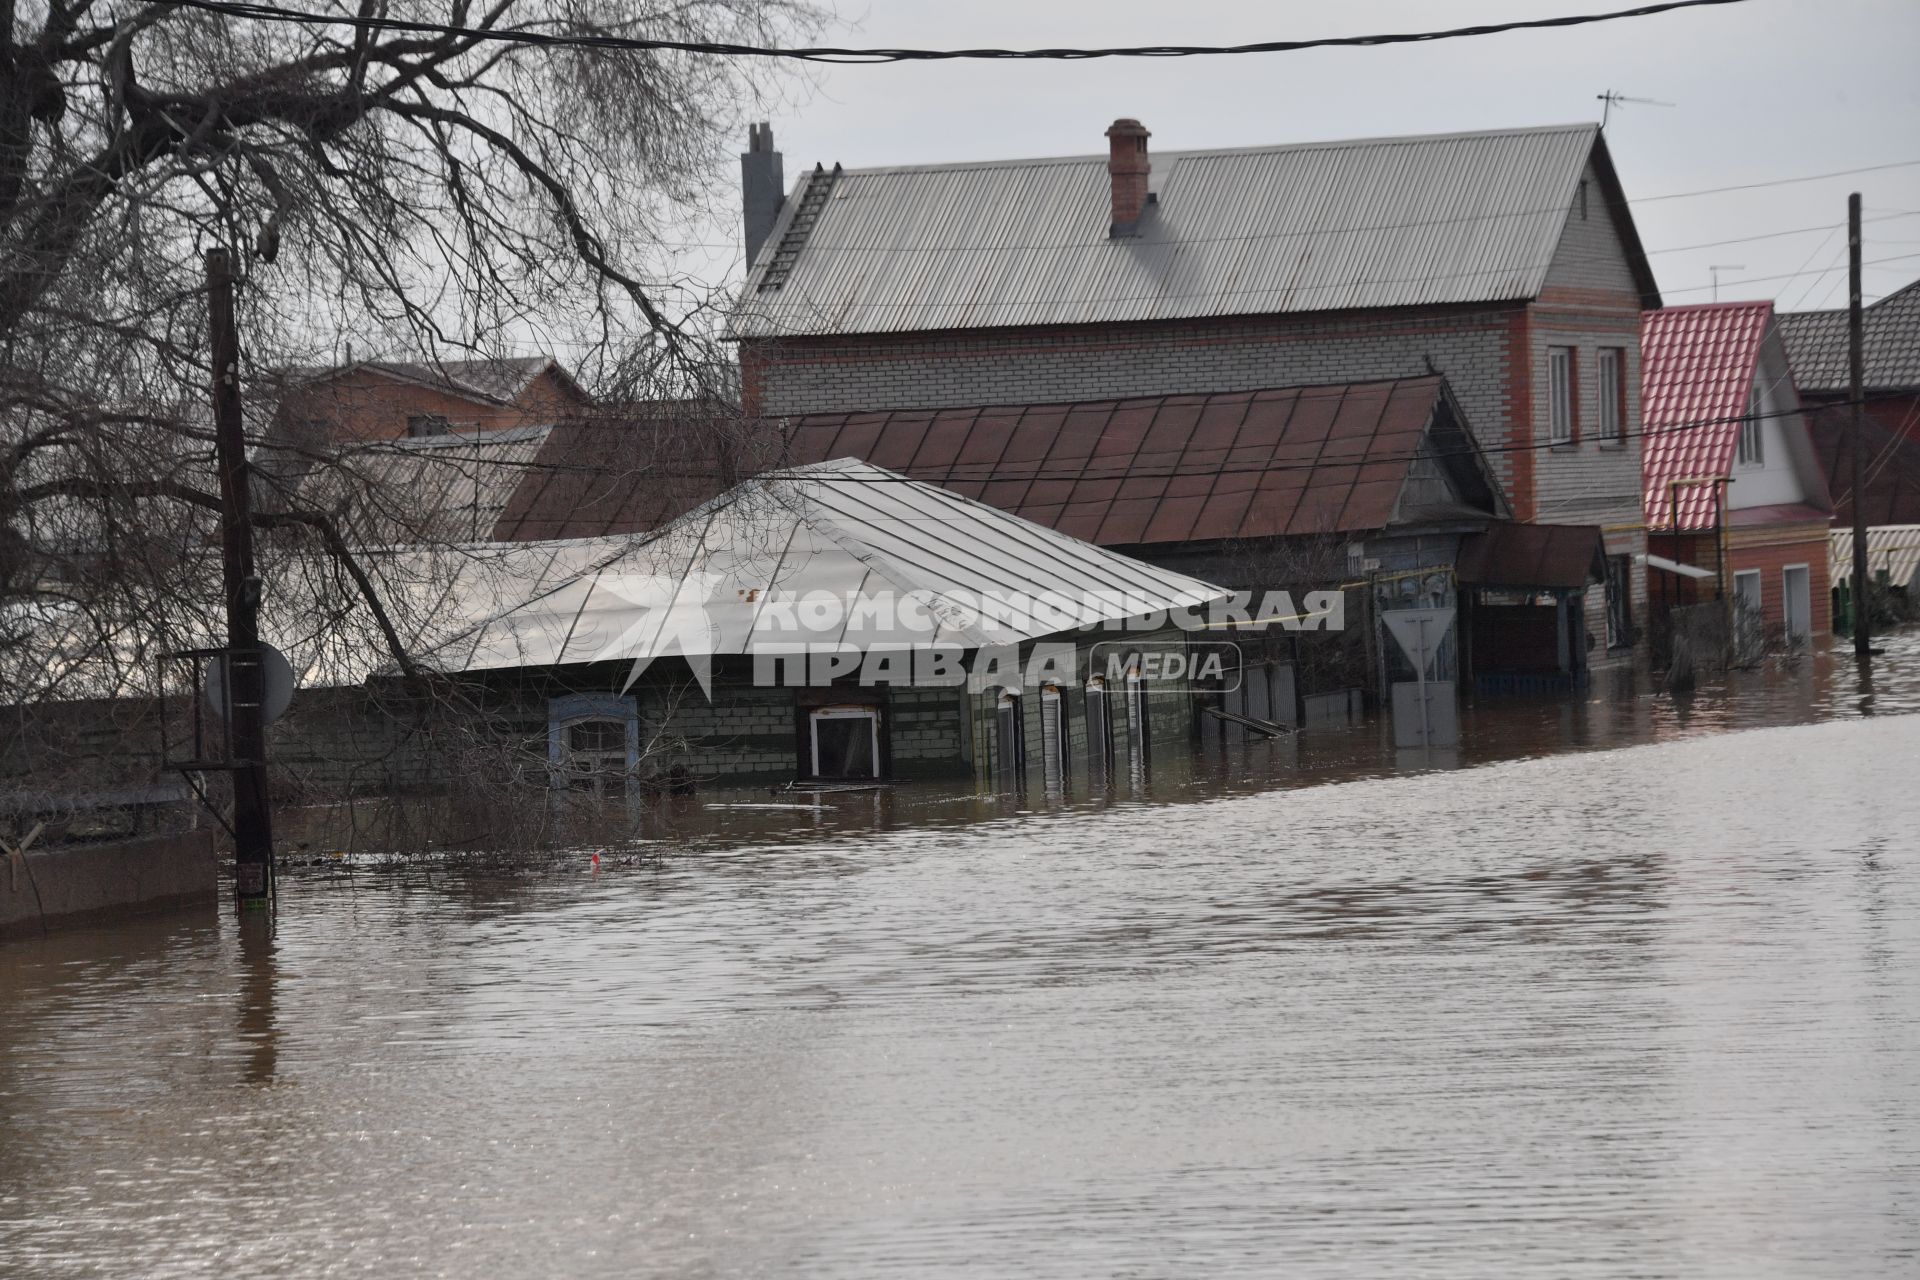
x=365, y=406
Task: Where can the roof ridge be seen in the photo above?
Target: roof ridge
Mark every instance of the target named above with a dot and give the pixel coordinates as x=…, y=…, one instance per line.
x=1260, y=148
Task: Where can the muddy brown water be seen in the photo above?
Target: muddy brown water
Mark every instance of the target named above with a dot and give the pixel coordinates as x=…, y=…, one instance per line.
x=1311, y=1009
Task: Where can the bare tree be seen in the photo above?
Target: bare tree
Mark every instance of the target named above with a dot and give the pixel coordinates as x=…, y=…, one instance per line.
x=423, y=190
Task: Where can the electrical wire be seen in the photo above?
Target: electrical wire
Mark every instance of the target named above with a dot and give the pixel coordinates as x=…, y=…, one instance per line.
x=847, y=55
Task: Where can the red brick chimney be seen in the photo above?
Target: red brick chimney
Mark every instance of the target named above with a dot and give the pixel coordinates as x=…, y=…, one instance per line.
x=1128, y=167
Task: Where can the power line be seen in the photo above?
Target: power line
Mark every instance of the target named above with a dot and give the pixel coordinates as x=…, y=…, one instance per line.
x=840, y=54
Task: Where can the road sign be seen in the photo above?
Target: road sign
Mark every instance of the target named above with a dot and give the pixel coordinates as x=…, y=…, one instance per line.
x=276, y=671
x=1419, y=633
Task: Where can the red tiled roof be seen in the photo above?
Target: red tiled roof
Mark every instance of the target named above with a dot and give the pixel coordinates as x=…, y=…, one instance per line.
x=1160, y=469
x=1696, y=376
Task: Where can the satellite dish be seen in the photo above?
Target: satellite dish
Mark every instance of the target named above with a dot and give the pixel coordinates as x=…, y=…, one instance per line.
x=274, y=667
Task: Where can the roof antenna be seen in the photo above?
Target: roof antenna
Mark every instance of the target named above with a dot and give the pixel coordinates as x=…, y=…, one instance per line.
x=1717, y=268
x=1614, y=98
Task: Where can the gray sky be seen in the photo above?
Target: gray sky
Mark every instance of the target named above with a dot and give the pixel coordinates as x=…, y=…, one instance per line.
x=1764, y=90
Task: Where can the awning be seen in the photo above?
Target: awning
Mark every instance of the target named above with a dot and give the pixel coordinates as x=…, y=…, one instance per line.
x=1533, y=556
x=1674, y=566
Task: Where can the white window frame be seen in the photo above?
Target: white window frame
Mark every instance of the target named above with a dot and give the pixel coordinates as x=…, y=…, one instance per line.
x=1560, y=396
x=870, y=714
x=1610, y=366
x=1752, y=451
x=1786, y=604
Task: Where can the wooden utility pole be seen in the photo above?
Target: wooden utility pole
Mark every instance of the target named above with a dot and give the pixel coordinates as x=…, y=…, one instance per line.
x=1856, y=395
x=246, y=691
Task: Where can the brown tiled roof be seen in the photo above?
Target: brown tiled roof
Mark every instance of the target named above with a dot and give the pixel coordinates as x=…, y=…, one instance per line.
x=1161, y=469
x=599, y=476
x=1892, y=459
x=1141, y=472
x=1565, y=556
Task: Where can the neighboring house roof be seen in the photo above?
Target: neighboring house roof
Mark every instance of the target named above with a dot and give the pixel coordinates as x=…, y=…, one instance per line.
x=454, y=487
x=1892, y=460
x=1889, y=344
x=632, y=473
x=1891, y=548
x=1188, y=468
x=492, y=381
x=1696, y=377
x=1376, y=222
x=714, y=581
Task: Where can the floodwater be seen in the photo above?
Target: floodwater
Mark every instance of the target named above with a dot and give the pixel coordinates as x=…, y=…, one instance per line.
x=1650, y=1011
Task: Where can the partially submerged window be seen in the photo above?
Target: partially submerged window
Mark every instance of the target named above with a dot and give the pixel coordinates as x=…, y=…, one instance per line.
x=1138, y=734
x=1055, y=747
x=1010, y=739
x=1099, y=730
x=1560, y=425
x=427, y=424
x=844, y=743
x=592, y=741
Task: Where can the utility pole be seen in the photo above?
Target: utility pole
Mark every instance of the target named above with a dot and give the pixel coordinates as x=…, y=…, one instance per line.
x=1856, y=393
x=246, y=692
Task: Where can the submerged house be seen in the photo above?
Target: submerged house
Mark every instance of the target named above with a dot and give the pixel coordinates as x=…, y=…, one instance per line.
x=839, y=622
x=1378, y=486
x=1736, y=504
x=1506, y=261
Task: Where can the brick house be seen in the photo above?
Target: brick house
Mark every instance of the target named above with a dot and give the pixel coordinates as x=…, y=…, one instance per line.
x=1817, y=347
x=1733, y=483
x=375, y=400
x=1506, y=261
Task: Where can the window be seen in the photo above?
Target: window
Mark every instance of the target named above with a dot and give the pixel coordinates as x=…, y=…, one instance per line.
x=1612, y=400
x=596, y=754
x=844, y=742
x=1560, y=429
x=1750, y=453
x=427, y=424
x=1010, y=740
x=1054, y=742
x=1138, y=736
x=1099, y=730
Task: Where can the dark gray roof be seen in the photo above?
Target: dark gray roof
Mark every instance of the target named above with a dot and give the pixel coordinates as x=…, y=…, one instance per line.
x=498, y=380
x=1890, y=343
x=1378, y=222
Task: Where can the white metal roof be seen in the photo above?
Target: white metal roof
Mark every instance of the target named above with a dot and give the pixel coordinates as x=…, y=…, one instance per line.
x=736, y=576
x=1465, y=217
x=1894, y=548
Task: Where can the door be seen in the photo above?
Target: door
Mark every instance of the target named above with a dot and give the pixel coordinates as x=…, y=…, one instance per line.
x=1796, y=601
x=845, y=742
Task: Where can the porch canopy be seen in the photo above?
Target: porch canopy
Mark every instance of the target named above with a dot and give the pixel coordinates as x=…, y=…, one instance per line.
x=833, y=556
x=1559, y=557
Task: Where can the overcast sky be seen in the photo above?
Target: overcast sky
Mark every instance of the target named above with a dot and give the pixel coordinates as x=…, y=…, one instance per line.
x=1763, y=90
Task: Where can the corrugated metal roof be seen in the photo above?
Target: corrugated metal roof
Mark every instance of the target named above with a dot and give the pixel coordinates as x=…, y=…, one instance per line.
x=711, y=582
x=1696, y=378
x=1894, y=548
x=1379, y=222
x=1889, y=344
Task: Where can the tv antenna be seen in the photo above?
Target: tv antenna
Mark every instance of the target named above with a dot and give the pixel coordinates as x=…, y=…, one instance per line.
x=1717, y=268
x=1614, y=98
